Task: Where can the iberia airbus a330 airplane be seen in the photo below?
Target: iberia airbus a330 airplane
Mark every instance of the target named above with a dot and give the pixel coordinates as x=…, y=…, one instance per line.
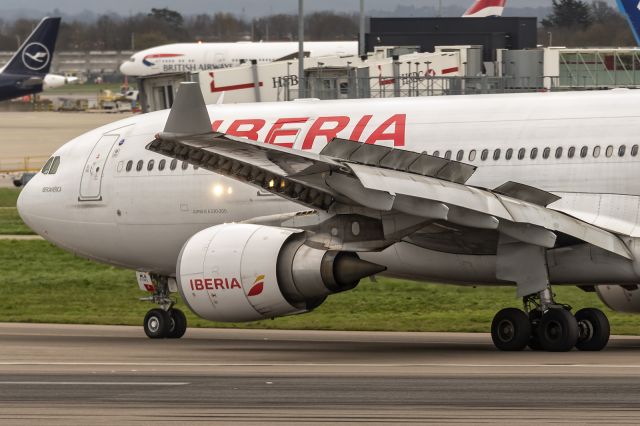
x=255, y=211
x=195, y=57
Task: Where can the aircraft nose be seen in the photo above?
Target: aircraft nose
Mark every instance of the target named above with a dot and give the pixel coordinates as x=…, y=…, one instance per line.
x=25, y=204
x=124, y=68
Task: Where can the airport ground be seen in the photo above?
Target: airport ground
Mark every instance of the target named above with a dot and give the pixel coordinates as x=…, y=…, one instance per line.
x=34, y=136
x=38, y=134
x=69, y=373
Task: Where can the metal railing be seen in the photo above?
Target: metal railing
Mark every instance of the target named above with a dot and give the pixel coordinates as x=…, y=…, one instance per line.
x=413, y=85
x=600, y=68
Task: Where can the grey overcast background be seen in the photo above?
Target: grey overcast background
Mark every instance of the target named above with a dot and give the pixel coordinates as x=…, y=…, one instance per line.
x=88, y=9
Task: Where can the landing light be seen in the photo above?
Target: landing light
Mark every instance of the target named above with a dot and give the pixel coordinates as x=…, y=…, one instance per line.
x=218, y=190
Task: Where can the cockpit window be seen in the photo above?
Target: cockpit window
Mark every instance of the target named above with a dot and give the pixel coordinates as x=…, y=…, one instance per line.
x=51, y=167
x=47, y=166
x=54, y=166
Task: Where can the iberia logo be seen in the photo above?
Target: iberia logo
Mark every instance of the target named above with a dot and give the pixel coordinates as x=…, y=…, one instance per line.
x=148, y=63
x=257, y=287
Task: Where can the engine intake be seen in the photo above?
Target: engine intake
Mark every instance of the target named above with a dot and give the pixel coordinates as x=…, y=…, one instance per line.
x=245, y=272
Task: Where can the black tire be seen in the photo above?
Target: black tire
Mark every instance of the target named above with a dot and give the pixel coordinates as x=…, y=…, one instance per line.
x=558, y=330
x=510, y=330
x=156, y=323
x=178, y=324
x=534, y=341
x=594, y=329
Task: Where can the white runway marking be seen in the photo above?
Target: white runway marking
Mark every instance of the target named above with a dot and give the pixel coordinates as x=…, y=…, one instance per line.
x=41, y=383
x=188, y=364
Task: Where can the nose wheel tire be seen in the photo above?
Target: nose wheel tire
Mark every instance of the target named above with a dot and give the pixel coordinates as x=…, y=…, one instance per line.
x=178, y=325
x=558, y=330
x=511, y=330
x=157, y=323
x=593, y=329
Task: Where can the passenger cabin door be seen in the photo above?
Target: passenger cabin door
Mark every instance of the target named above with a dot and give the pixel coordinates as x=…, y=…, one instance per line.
x=91, y=181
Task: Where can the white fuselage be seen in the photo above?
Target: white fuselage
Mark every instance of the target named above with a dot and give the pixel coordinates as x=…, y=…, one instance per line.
x=195, y=57
x=94, y=207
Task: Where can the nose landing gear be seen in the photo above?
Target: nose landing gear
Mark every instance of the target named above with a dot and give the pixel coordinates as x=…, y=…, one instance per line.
x=164, y=321
x=160, y=324
x=549, y=326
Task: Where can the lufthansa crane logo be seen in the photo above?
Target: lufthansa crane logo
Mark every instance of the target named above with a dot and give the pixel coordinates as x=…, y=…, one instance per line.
x=35, y=56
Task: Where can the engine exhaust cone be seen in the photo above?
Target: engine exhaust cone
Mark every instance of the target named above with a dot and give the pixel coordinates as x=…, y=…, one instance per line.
x=348, y=269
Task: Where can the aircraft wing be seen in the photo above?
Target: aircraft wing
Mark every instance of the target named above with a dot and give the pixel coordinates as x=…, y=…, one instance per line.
x=383, y=181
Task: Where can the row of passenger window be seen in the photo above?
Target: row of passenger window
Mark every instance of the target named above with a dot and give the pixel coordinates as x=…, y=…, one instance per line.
x=533, y=153
x=162, y=164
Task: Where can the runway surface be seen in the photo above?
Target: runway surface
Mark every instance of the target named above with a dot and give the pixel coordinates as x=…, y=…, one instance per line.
x=67, y=374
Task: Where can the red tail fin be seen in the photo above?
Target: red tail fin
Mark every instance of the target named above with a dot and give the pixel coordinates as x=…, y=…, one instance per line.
x=485, y=8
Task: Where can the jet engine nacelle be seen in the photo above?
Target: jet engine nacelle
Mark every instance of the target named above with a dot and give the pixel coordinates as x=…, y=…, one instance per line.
x=620, y=298
x=245, y=272
x=52, y=81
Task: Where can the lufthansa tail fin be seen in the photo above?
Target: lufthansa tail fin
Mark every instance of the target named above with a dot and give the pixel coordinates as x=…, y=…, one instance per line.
x=35, y=55
x=485, y=9
x=631, y=9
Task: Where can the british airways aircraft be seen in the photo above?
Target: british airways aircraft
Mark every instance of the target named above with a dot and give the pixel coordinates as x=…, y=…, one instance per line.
x=253, y=211
x=27, y=72
x=194, y=57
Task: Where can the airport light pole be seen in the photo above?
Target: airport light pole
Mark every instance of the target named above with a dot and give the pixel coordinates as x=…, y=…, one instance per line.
x=301, y=85
x=362, y=51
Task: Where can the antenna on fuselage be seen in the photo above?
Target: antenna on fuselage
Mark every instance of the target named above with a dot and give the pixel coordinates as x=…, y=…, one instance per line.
x=189, y=112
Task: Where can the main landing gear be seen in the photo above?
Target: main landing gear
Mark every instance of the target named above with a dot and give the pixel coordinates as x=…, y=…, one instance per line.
x=546, y=325
x=164, y=321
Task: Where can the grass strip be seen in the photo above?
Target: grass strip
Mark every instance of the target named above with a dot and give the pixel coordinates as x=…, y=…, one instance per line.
x=9, y=197
x=11, y=223
x=41, y=283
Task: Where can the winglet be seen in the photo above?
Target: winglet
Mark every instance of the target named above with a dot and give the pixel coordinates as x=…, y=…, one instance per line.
x=189, y=113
